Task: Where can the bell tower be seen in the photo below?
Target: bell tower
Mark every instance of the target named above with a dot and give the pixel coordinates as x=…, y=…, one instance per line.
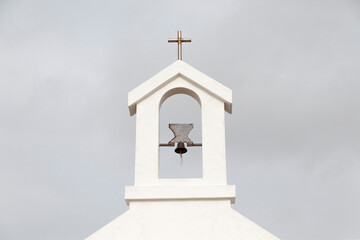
x=145, y=101
x=180, y=208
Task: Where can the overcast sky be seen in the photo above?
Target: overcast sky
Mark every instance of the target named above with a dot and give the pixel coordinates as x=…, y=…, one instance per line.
x=67, y=141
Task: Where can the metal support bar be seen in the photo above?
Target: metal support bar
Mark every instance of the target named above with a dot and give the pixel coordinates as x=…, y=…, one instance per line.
x=189, y=145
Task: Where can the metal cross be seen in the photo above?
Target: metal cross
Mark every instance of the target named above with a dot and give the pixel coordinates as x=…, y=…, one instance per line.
x=179, y=40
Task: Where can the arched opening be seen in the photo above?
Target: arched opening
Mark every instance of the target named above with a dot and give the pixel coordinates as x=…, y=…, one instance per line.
x=180, y=105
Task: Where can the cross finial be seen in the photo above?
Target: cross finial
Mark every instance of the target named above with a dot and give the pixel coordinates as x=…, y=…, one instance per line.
x=179, y=40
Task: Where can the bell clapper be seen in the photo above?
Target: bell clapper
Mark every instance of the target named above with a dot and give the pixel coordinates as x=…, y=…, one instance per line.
x=181, y=159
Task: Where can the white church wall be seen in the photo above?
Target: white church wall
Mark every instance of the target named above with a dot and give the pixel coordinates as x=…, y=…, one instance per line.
x=147, y=137
x=182, y=219
x=180, y=208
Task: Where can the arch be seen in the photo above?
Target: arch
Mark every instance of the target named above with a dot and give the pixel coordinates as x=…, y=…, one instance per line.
x=182, y=109
x=180, y=90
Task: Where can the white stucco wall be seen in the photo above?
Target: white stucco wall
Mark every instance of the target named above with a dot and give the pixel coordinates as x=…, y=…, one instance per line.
x=172, y=209
x=147, y=137
x=181, y=219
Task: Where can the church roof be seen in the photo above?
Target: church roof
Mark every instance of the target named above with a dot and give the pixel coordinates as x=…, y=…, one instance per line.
x=180, y=68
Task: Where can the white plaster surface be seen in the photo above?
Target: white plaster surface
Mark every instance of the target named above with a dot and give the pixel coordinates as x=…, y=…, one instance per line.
x=197, y=208
x=181, y=219
x=147, y=135
x=133, y=193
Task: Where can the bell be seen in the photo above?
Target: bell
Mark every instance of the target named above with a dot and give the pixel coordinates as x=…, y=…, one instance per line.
x=180, y=149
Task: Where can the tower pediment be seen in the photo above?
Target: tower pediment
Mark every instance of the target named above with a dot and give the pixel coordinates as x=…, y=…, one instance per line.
x=187, y=72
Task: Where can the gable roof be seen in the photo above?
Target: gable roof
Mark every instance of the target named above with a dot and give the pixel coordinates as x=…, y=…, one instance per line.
x=179, y=68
